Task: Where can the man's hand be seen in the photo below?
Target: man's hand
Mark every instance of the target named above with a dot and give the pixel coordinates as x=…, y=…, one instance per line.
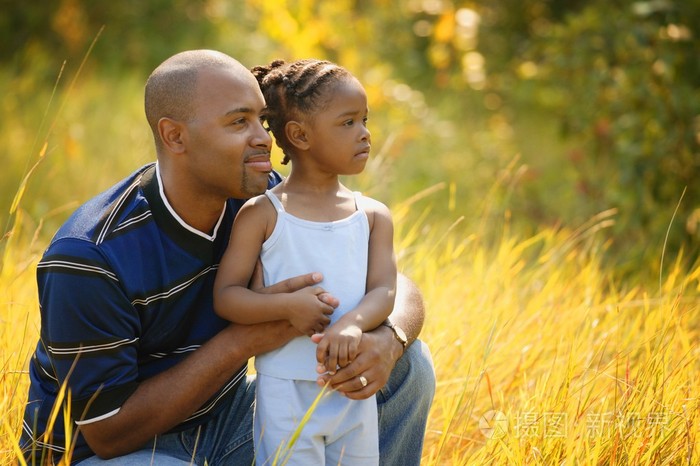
x=307, y=311
x=370, y=370
x=290, y=285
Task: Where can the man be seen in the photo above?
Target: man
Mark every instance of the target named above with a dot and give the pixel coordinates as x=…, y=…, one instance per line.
x=125, y=288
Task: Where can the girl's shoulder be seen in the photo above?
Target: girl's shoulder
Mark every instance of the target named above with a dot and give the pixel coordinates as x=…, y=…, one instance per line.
x=258, y=215
x=370, y=205
x=258, y=205
x=376, y=211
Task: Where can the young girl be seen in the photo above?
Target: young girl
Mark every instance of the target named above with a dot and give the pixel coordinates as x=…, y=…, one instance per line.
x=317, y=112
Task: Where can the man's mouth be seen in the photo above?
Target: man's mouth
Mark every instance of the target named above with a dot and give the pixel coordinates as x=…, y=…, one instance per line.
x=260, y=163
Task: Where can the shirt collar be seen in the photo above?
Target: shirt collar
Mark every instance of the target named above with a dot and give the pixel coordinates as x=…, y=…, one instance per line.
x=179, y=219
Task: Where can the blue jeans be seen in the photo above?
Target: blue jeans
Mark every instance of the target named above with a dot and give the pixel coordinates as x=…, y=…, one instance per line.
x=403, y=405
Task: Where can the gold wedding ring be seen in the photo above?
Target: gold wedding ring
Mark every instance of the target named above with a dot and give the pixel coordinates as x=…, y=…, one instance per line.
x=363, y=381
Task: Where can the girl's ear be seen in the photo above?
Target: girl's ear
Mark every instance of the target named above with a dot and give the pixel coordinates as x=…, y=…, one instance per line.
x=296, y=134
x=172, y=134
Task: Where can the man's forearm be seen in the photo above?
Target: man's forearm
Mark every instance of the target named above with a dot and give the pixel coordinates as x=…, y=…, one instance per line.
x=162, y=402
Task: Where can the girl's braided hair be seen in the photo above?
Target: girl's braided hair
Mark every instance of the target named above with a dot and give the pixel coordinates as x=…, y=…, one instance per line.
x=294, y=89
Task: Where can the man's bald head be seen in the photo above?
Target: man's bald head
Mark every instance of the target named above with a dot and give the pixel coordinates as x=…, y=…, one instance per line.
x=171, y=88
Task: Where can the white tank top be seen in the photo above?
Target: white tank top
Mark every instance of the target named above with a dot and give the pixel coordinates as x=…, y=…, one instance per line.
x=296, y=246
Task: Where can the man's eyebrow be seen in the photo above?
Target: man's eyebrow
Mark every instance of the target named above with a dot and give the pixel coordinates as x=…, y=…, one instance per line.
x=239, y=110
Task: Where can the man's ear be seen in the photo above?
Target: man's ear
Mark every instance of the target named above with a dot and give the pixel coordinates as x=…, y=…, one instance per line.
x=172, y=134
x=296, y=134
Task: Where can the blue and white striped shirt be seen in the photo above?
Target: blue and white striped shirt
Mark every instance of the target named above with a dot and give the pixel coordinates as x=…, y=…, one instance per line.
x=125, y=290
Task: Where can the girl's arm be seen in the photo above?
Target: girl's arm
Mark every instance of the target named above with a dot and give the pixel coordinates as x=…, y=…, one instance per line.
x=378, y=302
x=232, y=298
x=341, y=341
x=379, y=349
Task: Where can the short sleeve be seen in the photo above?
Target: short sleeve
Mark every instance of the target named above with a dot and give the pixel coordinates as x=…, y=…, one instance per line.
x=90, y=330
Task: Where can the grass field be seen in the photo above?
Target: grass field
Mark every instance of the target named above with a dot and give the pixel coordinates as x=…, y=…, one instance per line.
x=543, y=356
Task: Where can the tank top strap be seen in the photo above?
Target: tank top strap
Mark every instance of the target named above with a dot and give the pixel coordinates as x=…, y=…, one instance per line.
x=275, y=201
x=358, y=200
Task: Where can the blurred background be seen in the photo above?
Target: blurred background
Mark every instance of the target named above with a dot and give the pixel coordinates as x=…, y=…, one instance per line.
x=513, y=114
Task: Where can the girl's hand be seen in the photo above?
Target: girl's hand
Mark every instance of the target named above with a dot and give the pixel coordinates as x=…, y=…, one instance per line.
x=307, y=312
x=338, y=347
x=369, y=372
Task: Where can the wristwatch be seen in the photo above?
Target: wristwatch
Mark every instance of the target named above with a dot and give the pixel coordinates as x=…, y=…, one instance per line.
x=399, y=334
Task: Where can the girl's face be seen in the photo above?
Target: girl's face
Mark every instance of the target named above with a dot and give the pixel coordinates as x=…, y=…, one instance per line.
x=337, y=135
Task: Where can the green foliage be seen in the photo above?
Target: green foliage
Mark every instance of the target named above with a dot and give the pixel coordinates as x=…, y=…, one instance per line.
x=136, y=34
x=623, y=80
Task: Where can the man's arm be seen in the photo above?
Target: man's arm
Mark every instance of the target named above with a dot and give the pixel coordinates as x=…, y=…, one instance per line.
x=165, y=400
x=379, y=349
x=409, y=308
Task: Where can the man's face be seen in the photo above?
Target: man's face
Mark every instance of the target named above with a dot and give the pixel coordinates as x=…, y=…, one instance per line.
x=228, y=148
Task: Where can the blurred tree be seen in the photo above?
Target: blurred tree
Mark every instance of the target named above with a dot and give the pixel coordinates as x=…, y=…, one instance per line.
x=626, y=81
x=137, y=34
x=621, y=77
x=623, y=80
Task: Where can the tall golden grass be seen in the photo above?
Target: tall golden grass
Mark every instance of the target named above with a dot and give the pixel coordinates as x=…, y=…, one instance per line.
x=541, y=356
